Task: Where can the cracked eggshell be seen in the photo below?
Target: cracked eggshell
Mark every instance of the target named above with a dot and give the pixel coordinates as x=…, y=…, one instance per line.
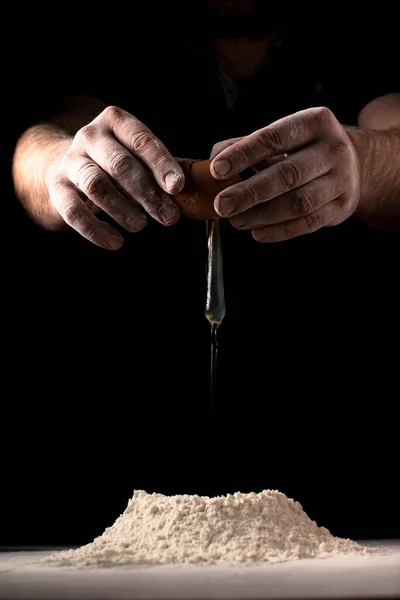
x=196, y=200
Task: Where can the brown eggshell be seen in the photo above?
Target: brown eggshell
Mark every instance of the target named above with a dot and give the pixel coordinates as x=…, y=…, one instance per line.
x=196, y=200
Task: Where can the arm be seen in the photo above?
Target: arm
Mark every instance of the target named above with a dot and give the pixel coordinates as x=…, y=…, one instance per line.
x=377, y=146
x=39, y=151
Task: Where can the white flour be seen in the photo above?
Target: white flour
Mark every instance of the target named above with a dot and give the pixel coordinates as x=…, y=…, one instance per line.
x=239, y=528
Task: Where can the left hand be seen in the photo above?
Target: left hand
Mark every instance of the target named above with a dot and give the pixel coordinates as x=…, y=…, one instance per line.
x=306, y=176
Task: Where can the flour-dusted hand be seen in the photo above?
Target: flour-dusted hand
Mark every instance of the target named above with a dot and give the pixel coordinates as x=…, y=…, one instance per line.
x=118, y=164
x=306, y=177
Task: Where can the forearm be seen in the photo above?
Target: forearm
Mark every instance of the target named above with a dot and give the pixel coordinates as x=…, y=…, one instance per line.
x=38, y=153
x=378, y=155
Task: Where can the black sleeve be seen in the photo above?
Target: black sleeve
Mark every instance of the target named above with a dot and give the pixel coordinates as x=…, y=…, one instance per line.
x=379, y=63
x=361, y=61
x=372, y=59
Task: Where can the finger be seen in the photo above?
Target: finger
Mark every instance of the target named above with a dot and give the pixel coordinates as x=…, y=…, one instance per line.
x=67, y=200
x=95, y=184
x=261, y=166
x=219, y=146
x=293, y=172
x=141, y=142
x=268, y=162
x=134, y=178
x=248, y=172
x=327, y=215
x=285, y=135
x=292, y=205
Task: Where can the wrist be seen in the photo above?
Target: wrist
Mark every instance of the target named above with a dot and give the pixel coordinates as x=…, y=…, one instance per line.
x=364, y=150
x=58, y=143
x=379, y=200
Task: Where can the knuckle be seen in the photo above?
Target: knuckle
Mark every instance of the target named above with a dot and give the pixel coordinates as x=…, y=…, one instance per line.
x=273, y=139
x=127, y=215
x=85, y=134
x=56, y=183
x=142, y=184
x=159, y=163
x=289, y=230
x=142, y=141
x=145, y=192
x=91, y=181
x=90, y=232
x=71, y=213
x=290, y=174
x=242, y=155
x=254, y=194
x=325, y=116
x=120, y=165
x=301, y=204
x=149, y=196
x=311, y=222
x=112, y=113
x=133, y=220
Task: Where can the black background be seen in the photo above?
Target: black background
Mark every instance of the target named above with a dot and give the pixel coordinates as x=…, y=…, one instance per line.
x=106, y=357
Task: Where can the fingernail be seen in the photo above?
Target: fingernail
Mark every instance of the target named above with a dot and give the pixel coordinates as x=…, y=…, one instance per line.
x=172, y=182
x=168, y=213
x=226, y=205
x=222, y=167
x=137, y=223
x=113, y=243
x=261, y=235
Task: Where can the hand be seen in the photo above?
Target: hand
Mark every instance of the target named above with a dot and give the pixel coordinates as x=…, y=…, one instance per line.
x=306, y=176
x=123, y=169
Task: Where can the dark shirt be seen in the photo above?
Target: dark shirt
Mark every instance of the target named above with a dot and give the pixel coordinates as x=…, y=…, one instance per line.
x=115, y=346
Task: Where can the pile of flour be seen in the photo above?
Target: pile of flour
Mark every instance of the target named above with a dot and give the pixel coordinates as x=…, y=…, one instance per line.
x=239, y=528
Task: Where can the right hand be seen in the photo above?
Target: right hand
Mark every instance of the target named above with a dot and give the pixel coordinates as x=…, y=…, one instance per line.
x=119, y=165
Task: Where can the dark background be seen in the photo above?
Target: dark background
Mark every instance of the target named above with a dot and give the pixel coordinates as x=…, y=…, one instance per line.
x=105, y=367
